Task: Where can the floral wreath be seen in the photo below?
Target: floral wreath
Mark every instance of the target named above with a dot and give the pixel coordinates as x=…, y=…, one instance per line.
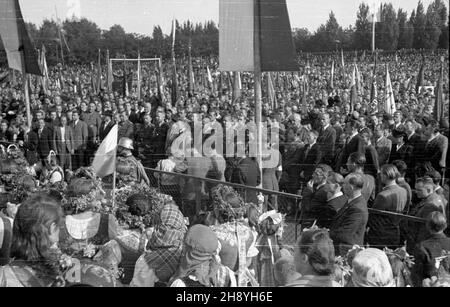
x=157, y=201
x=90, y=200
x=220, y=206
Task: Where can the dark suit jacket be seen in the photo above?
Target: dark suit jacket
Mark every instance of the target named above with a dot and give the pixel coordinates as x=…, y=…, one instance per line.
x=425, y=253
x=45, y=142
x=247, y=172
x=311, y=158
x=103, y=131
x=436, y=151
x=384, y=230
x=349, y=225
x=327, y=140
x=404, y=153
x=372, y=164
x=30, y=148
x=356, y=144
x=80, y=135
x=126, y=130
x=68, y=139
x=134, y=117
x=314, y=207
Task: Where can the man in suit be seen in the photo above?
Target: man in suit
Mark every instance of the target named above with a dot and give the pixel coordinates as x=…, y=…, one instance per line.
x=311, y=156
x=327, y=139
x=93, y=122
x=400, y=150
x=314, y=201
x=133, y=116
x=436, y=146
x=126, y=128
x=80, y=138
x=429, y=203
x=398, y=118
x=427, y=251
x=384, y=231
x=63, y=143
x=105, y=126
x=354, y=143
x=383, y=145
x=355, y=164
x=418, y=146
x=45, y=140
x=349, y=225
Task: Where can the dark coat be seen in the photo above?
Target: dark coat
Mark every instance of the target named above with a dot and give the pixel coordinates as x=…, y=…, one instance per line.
x=134, y=117
x=404, y=153
x=372, y=164
x=45, y=142
x=103, y=131
x=30, y=148
x=349, y=225
x=425, y=253
x=436, y=151
x=247, y=172
x=126, y=130
x=327, y=140
x=356, y=144
x=311, y=157
x=385, y=230
x=314, y=207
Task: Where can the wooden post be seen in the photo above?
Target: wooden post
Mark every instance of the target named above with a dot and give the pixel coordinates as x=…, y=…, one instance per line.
x=258, y=94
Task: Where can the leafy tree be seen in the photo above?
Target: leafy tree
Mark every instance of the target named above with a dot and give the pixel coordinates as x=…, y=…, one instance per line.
x=420, y=28
x=301, y=39
x=406, y=30
x=363, y=29
x=433, y=27
x=387, y=31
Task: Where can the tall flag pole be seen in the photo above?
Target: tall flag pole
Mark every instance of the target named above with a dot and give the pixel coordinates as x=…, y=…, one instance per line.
x=439, y=102
x=109, y=75
x=174, y=67
x=139, y=77
x=390, y=100
x=353, y=93
x=20, y=52
x=124, y=81
x=373, y=89
x=271, y=92
x=332, y=76
x=99, y=72
x=420, y=76
x=190, y=70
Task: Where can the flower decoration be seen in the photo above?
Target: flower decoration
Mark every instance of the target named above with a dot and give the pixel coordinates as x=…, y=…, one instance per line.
x=157, y=201
x=231, y=210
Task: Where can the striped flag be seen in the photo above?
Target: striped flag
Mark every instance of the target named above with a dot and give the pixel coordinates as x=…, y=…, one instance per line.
x=420, y=76
x=271, y=92
x=389, y=105
x=332, y=76
x=109, y=75
x=104, y=162
x=353, y=89
x=238, y=34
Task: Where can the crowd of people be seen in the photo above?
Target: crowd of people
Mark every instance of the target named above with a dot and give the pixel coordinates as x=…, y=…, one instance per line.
x=373, y=184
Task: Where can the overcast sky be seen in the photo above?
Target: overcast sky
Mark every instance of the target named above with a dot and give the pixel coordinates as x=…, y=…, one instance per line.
x=139, y=16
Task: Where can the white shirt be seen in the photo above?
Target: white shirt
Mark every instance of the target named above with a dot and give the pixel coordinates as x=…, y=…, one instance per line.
x=433, y=137
x=63, y=133
x=353, y=198
x=338, y=194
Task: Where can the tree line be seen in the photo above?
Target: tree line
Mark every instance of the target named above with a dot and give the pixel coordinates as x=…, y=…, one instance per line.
x=394, y=30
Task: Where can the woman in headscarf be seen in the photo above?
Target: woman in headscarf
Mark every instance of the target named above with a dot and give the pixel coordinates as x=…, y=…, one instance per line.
x=371, y=268
x=157, y=265
x=199, y=265
x=234, y=232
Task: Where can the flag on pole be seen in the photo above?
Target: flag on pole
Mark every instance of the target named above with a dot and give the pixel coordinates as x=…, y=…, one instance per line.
x=332, y=76
x=271, y=92
x=190, y=71
x=125, y=81
x=16, y=41
x=358, y=80
x=99, y=73
x=237, y=85
x=389, y=105
x=44, y=69
x=210, y=79
x=342, y=60
x=439, y=102
x=237, y=35
x=174, y=66
x=109, y=75
x=420, y=76
x=104, y=162
x=353, y=89
x=139, y=77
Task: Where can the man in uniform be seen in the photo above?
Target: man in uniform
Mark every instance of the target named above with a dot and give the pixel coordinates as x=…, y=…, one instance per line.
x=129, y=169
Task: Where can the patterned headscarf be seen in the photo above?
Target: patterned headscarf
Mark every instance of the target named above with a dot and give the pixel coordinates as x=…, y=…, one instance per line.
x=166, y=243
x=371, y=268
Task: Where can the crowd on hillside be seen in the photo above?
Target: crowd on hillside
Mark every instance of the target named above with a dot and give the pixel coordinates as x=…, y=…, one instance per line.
x=366, y=178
